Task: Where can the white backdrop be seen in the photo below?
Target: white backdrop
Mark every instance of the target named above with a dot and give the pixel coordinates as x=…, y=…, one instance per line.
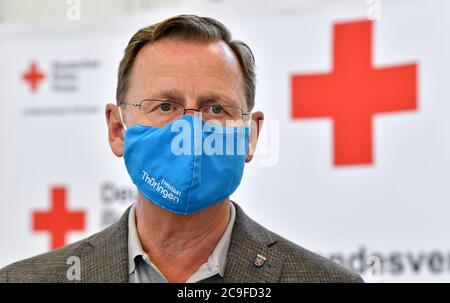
x=395, y=207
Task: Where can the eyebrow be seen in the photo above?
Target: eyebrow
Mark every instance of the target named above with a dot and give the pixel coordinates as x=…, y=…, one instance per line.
x=167, y=94
x=205, y=97
x=210, y=96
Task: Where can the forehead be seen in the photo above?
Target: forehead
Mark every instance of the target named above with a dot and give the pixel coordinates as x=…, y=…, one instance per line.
x=188, y=67
x=170, y=51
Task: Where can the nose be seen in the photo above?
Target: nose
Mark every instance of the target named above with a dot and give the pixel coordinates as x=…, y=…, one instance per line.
x=191, y=107
x=191, y=111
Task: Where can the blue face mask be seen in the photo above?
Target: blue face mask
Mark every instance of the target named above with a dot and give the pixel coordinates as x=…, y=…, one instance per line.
x=186, y=165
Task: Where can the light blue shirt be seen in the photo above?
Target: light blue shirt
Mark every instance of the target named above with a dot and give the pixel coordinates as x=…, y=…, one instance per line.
x=142, y=270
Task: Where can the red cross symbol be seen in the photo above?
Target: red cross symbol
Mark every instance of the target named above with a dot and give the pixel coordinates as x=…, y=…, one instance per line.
x=353, y=92
x=33, y=76
x=58, y=221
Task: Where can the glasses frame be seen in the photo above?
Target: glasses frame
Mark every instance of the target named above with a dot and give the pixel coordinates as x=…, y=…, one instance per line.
x=139, y=105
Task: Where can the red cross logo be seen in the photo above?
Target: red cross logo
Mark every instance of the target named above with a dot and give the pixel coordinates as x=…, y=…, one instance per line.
x=33, y=77
x=353, y=92
x=58, y=220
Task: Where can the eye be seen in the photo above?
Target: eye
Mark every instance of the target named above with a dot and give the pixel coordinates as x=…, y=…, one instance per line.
x=217, y=109
x=165, y=107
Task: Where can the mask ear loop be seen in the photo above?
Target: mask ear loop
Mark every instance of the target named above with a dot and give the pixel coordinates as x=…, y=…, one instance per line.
x=249, y=124
x=121, y=118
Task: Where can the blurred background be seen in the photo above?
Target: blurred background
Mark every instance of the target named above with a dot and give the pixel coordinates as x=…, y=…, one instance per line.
x=48, y=10
x=354, y=157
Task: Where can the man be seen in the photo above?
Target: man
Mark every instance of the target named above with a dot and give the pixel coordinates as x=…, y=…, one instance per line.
x=184, y=73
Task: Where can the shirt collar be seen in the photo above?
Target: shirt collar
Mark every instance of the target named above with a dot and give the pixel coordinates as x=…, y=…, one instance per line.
x=216, y=261
x=134, y=244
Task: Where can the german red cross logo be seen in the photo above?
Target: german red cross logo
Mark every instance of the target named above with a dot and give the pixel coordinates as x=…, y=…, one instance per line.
x=354, y=92
x=58, y=220
x=33, y=76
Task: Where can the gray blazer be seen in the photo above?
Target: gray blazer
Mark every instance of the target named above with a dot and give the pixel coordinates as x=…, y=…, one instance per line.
x=104, y=258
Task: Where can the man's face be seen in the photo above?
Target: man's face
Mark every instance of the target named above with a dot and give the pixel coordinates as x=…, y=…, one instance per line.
x=189, y=73
x=193, y=74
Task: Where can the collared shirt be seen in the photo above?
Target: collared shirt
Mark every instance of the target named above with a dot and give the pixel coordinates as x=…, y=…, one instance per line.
x=142, y=270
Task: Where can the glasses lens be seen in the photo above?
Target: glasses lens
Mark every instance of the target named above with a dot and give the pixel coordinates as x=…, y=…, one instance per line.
x=223, y=114
x=160, y=113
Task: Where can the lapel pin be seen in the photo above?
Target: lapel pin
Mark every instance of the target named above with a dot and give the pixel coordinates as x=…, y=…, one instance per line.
x=259, y=261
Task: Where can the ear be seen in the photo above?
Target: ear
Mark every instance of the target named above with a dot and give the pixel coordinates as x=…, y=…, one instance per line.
x=115, y=129
x=255, y=129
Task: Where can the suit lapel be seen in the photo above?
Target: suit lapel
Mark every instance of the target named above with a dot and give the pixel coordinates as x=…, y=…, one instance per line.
x=105, y=256
x=251, y=257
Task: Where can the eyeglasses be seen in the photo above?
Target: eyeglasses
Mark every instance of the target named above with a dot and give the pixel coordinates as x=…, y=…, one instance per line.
x=162, y=112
